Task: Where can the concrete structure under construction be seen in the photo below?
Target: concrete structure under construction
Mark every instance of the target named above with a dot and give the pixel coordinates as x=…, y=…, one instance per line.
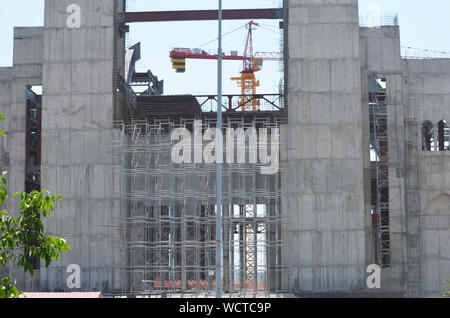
x=362, y=179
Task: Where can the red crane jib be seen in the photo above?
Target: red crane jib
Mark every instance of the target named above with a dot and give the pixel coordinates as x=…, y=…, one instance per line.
x=189, y=54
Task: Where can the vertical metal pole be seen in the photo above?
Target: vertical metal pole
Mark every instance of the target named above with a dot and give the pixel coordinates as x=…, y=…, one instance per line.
x=219, y=242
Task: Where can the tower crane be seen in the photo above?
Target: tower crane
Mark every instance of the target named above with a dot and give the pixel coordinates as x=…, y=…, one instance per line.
x=247, y=81
x=252, y=63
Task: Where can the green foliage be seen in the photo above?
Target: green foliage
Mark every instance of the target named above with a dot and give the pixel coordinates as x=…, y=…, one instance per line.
x=26, y=232
x=22, y=238
x=2, y=118
x=447, y=292
x=7, y=290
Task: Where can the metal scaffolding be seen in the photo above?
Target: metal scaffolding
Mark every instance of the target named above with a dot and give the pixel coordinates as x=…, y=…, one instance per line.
x=380, y=170
x=169, y=230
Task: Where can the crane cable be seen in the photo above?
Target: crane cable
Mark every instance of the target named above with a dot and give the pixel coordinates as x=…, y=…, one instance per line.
x=267, y=29
x=262, y=26
x=243, y=26
x=269, y=26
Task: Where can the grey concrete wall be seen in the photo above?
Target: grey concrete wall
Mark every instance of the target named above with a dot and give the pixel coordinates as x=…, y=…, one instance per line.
x=77, y=134
x=324, y=188
x=381, y=54
x=5, y=106
x=26, y=71
x=428, y=84
x=436, y=234
x=367, y=173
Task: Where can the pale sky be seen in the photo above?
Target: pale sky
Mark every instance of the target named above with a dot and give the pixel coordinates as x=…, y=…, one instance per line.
x=423, y=24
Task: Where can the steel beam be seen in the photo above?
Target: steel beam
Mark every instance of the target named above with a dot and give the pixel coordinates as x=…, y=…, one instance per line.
x=203, y=15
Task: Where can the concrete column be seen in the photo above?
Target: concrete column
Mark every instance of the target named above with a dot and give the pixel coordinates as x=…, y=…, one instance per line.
x=26, y=72
x=77, y=132
x=323, y=189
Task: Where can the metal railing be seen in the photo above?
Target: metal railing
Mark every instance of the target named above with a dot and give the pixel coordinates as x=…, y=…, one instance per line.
x=266, y=102
x=376, y=21
x=422, y=54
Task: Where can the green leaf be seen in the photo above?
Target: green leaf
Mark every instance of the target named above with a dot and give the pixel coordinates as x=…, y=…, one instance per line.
x=14, y=292
x=23, y=238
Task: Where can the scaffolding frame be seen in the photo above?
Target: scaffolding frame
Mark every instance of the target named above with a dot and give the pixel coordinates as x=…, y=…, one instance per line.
x=169, y=243
x=380, y=171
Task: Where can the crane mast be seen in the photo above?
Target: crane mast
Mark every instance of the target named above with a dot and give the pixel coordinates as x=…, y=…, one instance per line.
x=247, y=81
x=252, y=63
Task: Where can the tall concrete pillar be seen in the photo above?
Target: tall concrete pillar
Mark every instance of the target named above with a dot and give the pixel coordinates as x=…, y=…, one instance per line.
x=77, y=131
x=26, y=72
x=323, y=187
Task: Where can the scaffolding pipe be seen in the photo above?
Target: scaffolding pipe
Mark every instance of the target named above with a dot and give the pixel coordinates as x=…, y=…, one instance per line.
x=169, y=241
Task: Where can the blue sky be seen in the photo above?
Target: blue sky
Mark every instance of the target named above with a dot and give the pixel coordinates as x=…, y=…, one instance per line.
x=424, y=24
